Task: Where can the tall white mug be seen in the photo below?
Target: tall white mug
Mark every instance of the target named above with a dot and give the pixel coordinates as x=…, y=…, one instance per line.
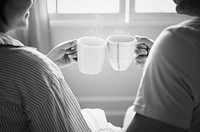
x=120, y=49
x=91, y=54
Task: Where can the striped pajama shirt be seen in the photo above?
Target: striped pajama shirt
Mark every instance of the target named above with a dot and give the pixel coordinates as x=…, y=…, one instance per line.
x=33, y=93
x=34, y=96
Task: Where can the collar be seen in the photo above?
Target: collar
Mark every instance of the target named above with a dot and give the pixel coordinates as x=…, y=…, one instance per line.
x=7, y=40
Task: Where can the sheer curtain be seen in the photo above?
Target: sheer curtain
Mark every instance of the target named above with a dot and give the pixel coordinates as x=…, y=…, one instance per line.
x=38, y=33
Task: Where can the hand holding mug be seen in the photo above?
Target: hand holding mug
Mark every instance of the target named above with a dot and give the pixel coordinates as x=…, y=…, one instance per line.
x=64, y=53
x=142, y=49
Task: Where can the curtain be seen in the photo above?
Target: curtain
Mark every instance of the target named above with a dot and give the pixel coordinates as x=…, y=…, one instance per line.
x=38, y=33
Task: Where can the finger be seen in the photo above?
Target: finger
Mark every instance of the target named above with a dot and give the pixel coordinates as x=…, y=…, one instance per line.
x=68, y=52
x=139, y=63
x=141, y=51
x=145, y=40
x=141, y=58
x=141, y=46
x=73, y=48
x=73, y=57
x=137, y=37
x=68, y=44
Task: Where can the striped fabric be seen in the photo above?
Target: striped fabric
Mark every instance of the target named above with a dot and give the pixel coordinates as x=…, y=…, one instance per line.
x=34, y=96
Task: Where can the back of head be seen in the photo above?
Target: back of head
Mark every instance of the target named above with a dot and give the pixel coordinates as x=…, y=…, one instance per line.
x=2, y=7
x=189, y=7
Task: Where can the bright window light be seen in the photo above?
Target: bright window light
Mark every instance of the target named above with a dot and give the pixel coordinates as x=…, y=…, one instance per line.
x=154, y=6
x=83, y=6
x=51, y=5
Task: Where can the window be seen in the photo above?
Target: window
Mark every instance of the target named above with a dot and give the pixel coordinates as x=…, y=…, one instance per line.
x=108, y=6
x=113, y=11
x=86, y=10
x=154, y=6
x=51, y=6
x=83, y=6
x=154, y=12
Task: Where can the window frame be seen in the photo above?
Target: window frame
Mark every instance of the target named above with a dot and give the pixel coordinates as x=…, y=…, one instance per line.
x=88, y=18
x=124, y=17
x=152, y=18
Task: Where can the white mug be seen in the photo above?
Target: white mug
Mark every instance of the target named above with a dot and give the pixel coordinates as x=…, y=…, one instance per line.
x=120, y=49
x=91, y=54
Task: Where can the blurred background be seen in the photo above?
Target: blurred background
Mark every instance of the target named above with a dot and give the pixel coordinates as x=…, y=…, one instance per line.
x=55, y=21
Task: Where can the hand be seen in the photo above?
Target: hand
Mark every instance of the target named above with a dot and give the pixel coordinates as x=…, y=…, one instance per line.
x=64, y=53
x=142, y=49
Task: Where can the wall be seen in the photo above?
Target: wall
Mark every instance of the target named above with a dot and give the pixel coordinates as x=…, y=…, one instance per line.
x=110, y=90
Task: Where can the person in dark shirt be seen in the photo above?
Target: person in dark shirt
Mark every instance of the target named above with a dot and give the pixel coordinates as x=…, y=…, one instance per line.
x=168, y=98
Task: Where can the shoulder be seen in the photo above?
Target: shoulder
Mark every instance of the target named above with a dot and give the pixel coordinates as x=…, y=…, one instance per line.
x=34, y=57
x=27, y=60
x=189, y=29
x=179, y=40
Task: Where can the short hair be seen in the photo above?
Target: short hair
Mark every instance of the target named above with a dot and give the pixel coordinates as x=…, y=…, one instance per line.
x=189, y=7
x=2, y=7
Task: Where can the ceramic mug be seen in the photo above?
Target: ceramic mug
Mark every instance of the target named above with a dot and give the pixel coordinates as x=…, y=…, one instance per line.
x=91, y=54
x=120, y=49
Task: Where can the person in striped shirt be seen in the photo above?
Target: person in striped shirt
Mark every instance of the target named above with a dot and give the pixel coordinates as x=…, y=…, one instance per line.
x=34, y=96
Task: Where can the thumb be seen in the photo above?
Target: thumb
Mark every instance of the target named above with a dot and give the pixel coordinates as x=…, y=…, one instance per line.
x=67, y=44
x=137, y=37
x=144, y=40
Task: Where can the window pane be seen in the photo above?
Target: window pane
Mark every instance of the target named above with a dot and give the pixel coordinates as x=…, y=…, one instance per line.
x=88, y=6
x=154, y=6
x=51, y=4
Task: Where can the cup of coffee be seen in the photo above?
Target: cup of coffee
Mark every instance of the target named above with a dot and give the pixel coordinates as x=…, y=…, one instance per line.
x=91, y=54
x=120, y=49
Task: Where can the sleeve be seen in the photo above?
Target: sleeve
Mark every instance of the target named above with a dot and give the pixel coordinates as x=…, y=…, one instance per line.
x=164, y=92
